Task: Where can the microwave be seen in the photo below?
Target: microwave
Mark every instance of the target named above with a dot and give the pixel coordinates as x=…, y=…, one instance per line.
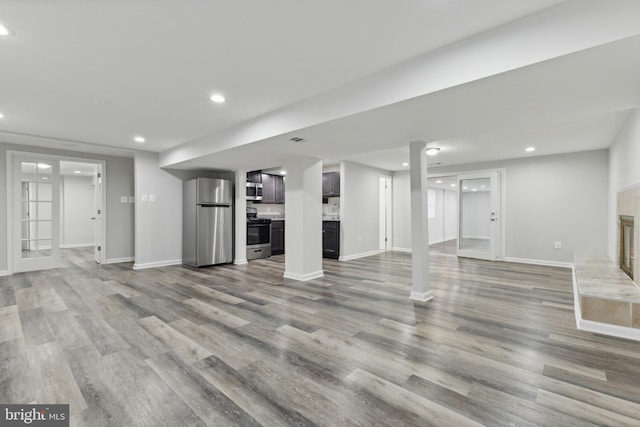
x=254, y=191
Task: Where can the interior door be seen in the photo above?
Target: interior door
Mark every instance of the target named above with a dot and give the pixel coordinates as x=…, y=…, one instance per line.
x=479, y=216
x=97, y=218
x=36, y=214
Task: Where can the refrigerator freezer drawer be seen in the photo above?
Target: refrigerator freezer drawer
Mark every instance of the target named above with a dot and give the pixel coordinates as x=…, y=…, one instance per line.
x=214, y=239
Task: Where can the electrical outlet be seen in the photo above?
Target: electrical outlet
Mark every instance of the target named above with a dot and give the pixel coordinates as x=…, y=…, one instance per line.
x=558, y=245
x=132, y=199
x=123, y=199
x=152, y=197
x=144, y=197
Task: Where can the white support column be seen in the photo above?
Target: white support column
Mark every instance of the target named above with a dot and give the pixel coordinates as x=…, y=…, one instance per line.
x=241, y=218
x=303, y=219
x=420, y=289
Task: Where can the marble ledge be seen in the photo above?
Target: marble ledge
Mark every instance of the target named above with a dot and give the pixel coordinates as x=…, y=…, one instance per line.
x=598, y=277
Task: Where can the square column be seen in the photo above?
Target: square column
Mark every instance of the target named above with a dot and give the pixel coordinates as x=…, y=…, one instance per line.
x=420, y=289
x=240, y=206
x=303, y=219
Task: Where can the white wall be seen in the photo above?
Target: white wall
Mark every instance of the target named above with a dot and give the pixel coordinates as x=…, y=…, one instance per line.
x=552, y=198
x=401, y=206
x=77, y=209
x=450, y=215
x=158, y=233
x=443, y=226
x=119, y=182
x=624, y=170
x=359, y=210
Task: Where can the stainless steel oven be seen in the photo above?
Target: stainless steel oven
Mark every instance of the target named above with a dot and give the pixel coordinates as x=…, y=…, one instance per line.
x=258, y=235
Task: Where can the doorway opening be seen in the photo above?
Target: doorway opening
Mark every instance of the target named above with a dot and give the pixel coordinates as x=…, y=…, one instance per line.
x=442, y=207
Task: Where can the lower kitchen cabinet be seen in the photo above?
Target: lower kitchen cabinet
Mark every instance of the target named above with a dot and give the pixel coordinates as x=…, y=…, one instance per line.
x=331, y=239
x=277, y=237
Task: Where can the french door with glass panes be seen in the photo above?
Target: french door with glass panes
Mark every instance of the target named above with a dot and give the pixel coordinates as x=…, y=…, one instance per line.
x=36, y=213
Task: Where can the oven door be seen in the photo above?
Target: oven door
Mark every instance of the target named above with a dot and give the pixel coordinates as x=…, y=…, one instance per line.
x=258, y=234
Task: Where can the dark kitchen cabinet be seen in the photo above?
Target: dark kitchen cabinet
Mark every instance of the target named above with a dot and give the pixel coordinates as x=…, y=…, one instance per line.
x=277, y=237
x=279, y=190
x=330, y=184
x=272, y=189
x=331, y=239
x=254, y=176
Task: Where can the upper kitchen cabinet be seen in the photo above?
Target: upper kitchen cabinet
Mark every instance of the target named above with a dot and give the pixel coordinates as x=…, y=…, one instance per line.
x=330, y=184
x=272, y=189
x=254, y=177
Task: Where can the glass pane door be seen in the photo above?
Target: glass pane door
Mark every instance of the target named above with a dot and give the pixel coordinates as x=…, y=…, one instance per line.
x=479, y=215
x=35, y=184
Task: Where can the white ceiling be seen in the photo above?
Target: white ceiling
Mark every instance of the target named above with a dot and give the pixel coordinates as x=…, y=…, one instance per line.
x=92, y=75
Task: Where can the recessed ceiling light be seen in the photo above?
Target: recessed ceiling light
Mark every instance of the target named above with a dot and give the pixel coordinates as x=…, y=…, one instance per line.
x=218, y=98
x=439, y=181
x=405, y=164
x=43, y=166
x=465, y=188
x=452, y=185
x=475, y=189
x=5, y=31
x=432, y=151
x=77, y=172
x=1, y=116
x=44, y=177
x=139, y=139
x=283, y=172
x=530, y=149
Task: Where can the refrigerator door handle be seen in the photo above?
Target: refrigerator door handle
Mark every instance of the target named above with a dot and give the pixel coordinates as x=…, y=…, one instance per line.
x=215, y=205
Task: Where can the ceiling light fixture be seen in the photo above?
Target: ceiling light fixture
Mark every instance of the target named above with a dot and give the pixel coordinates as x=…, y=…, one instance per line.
x=5, y=31
x=218, y=98
x=405, y=164
x=297, y=139
x=43, y=166
x=439, y=181
x=452, y=185
x=465, y=188
x=530, y=149
x=1, y=116
x=139, y=139
x=432, y=151
x=77, y=172
x=283, y=172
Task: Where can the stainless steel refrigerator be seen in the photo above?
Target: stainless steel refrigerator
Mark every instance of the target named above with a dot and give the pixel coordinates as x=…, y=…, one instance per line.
x=207, y=222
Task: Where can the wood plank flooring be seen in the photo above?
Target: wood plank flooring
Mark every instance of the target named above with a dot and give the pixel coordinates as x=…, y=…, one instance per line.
x=240, y=345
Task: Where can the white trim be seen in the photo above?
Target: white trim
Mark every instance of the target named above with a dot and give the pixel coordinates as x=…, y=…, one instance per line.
x=119, y=260
x=607, y=329
x=577, y=308
x=360, y=255
x=303, y=277
x=539, y=262
x=4, y=273
x=156, y=264
x=240, y=262
x=77, y=245
x=435, y=242
x=397, y=249
x=421, y=296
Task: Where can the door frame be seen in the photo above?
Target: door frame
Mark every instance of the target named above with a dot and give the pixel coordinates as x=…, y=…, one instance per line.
x=11, y=155
x=502, y=173
x=387, y=205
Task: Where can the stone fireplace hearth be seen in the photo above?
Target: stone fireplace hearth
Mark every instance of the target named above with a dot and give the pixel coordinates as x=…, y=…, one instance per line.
x=628, y=214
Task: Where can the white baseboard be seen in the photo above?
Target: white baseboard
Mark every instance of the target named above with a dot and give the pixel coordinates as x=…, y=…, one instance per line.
x=303, y=277
x=119, y=260
x=4, y=273
x=77, y=245
x=396, y=249
x=240, y=261
x=539, y=262
x=360, y=255
x=421, y=296
x=156, y=264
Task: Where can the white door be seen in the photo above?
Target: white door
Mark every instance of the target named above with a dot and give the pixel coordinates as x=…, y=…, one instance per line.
x=97, y=214
x=479, y=215
x=36, y=214
x=384, y=198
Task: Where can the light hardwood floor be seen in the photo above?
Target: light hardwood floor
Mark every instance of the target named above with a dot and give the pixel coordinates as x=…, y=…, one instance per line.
x=240, y=345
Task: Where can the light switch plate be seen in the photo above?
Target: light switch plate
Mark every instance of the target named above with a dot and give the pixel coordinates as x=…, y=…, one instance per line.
x=123, y=199
x=144, y=197
x=132, y=199
x=152, y=197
